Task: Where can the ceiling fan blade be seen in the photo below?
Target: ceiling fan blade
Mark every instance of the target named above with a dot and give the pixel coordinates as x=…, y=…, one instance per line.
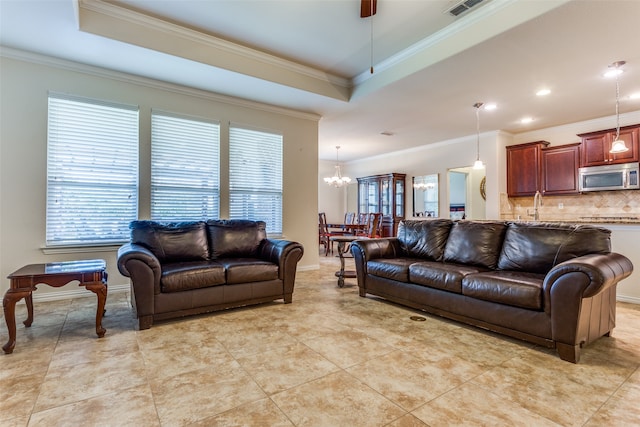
x=368, y=8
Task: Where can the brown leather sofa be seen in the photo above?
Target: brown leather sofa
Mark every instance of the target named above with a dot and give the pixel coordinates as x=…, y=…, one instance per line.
x=179, y=269
x=547, y=283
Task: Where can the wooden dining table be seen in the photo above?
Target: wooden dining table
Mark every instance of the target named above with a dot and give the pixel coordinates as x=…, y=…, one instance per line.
x=348, y=228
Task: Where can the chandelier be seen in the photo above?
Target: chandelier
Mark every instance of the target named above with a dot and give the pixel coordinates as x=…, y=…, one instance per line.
x=337, y=180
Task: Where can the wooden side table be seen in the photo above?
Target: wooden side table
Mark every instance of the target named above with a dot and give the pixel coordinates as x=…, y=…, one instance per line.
x=91, y=274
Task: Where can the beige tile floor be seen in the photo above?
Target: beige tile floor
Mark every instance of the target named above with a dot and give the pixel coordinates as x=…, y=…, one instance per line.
x=329, y=359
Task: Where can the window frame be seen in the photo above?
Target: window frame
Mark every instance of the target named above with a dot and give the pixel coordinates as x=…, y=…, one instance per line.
x=86, y=136
x=265, y=190
x=180, y=155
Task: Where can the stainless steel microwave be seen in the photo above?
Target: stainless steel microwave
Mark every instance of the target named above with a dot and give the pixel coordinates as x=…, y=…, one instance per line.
x=610, y=177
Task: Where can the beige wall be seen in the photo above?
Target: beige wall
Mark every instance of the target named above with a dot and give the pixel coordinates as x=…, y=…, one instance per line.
x=438, y=158
x=25, y=82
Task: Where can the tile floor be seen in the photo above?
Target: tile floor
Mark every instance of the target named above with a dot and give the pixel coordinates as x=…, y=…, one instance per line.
x=329, y=359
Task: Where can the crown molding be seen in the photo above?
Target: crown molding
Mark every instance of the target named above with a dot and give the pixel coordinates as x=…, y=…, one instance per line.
x=63, y=64
x=120, y=23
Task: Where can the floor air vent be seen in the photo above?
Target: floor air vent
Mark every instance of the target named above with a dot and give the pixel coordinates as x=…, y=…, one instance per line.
x=463, y=6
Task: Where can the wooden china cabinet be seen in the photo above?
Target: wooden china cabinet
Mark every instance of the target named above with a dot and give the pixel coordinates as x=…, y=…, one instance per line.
x=385, y=194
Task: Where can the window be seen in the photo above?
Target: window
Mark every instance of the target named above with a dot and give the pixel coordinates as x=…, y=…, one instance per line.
x=255, y=177
x=92, y=171
x=185, y=168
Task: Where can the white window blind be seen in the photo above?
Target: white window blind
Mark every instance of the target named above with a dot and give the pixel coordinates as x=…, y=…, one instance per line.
x=255, y=177
x=92, y=171
x=185, y=168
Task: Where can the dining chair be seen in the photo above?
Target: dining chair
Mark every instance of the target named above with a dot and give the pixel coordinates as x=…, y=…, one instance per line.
x=373, y=226
x=362, y=218
x=349, y=219
x=324, y=234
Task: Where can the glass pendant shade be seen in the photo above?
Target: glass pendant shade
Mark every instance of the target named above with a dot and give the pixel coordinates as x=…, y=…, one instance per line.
x=618, y=145
x=478, y=164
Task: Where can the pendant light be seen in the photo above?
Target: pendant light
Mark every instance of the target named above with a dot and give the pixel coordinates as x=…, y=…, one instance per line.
x=478, y=163
x=618, y=145
x=337, y=180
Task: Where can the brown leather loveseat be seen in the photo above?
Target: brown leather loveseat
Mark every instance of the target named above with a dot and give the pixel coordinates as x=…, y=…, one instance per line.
x=547, y=283
x=185, y=268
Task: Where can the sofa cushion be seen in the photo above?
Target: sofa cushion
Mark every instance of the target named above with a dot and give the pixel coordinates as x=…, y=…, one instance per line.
x=475, y=243
x=235, y=237
x=172, y=241
x=447, y=277
x=424, y=239
x=246, y=270
x=391, y=268
x=538, y=247
x=184, y=276
x=518, y=289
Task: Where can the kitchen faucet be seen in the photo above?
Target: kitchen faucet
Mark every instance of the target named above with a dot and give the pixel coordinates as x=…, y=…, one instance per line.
x=537, y=202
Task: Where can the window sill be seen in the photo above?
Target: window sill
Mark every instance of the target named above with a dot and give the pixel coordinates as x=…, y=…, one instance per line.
x=74, y=249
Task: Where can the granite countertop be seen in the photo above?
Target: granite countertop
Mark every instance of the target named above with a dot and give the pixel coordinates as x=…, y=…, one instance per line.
x=610, y=219
x=590, y=219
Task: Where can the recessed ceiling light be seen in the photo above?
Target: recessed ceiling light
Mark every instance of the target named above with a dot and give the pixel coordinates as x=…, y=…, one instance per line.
x=635, y=95
x=526, y=120
x=490, y=106
x=543, y=92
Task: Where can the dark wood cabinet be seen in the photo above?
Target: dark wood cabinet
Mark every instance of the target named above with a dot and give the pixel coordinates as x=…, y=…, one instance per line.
x=524, y=168
x=385, y=194
x=596, y=147
x=560, y=169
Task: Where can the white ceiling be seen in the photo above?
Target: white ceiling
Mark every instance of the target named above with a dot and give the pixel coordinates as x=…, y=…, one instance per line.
x=314, y=55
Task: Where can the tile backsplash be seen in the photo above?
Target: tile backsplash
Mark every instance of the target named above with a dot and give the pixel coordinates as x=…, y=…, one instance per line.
x=598, y=206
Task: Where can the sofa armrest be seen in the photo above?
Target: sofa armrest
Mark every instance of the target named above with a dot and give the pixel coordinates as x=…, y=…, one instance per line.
x=579, y=295
x=367, y=249
x=132, y=251
x=286, y=254
x=143, y=268
x=602, y=271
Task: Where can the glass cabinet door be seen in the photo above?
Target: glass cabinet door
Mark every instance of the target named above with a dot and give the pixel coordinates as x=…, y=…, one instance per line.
x=399, y=199
x=385, y=184
x=373, y=199
x=363, y=197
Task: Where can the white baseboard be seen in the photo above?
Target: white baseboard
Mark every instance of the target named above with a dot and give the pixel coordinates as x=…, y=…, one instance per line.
x=75, y=293
x=632, y=300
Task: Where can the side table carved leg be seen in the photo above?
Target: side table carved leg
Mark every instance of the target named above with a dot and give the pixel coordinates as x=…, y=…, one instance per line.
x=100, y=289
x=9, y=305
x=29, y=300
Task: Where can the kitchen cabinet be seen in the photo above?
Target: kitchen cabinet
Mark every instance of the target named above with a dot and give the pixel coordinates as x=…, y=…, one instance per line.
x=596, y=147
x=524, y=168
x=560, y=169
x=385, y=194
